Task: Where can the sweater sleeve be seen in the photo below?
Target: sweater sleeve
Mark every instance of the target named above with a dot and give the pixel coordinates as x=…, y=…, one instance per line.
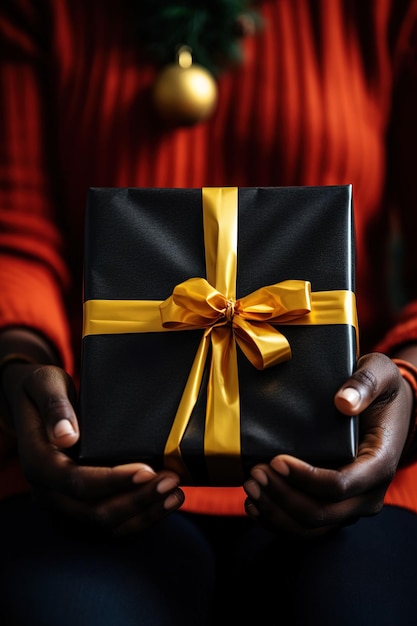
x=33, y=276
x=401, y=192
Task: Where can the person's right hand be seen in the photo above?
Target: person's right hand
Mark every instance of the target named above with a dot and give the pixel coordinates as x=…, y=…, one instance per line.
x=117, y=500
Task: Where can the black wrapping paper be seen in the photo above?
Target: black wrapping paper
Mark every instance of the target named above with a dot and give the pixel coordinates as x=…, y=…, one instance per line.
x=139, y=244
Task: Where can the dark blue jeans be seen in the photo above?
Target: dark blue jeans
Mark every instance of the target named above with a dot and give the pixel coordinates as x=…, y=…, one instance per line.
x=195, y=571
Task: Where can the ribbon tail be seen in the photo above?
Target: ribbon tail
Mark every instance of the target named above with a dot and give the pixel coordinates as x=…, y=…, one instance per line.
x=261, y=343
x=222, y=448
x=172, y=453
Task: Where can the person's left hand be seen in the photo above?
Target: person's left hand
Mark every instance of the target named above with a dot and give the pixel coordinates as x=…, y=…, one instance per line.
x=292, y=496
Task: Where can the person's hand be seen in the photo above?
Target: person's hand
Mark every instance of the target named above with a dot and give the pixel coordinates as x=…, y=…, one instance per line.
x=295, y=497
x=115, y=500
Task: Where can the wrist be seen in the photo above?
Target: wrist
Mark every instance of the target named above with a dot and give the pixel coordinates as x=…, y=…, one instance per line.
x=409, y=373
x=29, y=345
x=24, y=346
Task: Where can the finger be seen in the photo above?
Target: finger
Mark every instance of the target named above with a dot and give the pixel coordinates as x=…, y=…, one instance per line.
x=353, y=487
x=140, y=520
x=47, y=467
x=379, y=393
x=52, y=392
x=329, y=485
x=120, y=514
x=274, y=517
x=56, y=471
x=157, y=498
x=280, y=501
x=94, y=483
x=281, y=504
x=285, y=524
x=375, y=378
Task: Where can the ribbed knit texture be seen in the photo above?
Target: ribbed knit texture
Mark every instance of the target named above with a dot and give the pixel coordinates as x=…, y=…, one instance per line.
x=310, y=105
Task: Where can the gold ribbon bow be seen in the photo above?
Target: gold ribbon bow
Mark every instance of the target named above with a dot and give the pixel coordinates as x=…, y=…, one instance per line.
x=211, y=305
x=196, y=304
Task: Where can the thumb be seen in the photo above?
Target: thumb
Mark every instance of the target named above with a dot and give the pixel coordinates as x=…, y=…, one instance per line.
x=348, y=400
x=376, y=376
x=52, y=390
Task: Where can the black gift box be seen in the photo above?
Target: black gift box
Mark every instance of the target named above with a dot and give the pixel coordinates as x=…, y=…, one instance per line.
x=135, y=401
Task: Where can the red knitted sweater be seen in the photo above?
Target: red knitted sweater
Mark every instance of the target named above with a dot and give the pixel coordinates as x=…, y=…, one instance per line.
x=326, y=94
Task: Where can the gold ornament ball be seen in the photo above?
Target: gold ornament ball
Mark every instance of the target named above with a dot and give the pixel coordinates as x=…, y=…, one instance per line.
x=185, y=94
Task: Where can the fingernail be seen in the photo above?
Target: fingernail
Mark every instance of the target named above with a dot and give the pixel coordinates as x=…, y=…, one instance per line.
x=351, y=396
x=253, y=489
x=280, y=467
x=171, y=502
x=166, y=484
x=145, y=474
x=63, y=428
x=260, y=476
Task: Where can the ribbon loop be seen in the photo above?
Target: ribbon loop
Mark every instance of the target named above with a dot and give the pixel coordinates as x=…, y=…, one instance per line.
x=196, y=304
x=193, y=303
x=280, y=302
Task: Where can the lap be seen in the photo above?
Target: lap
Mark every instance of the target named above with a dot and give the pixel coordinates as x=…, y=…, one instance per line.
x=364, y=573
x=48, y=576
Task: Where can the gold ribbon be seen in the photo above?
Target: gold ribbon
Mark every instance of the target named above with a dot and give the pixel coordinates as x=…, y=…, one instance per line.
x=211, y=305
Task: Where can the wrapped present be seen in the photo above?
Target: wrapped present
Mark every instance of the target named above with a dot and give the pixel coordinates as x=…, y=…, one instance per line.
x=218, y=325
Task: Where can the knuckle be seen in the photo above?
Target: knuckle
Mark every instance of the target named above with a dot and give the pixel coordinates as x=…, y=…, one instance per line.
x=101, y=518
x=367, y=378
x=338, y=485
x=44, y=372
x=56, y=405
x=339, y=489
x=74, y=483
